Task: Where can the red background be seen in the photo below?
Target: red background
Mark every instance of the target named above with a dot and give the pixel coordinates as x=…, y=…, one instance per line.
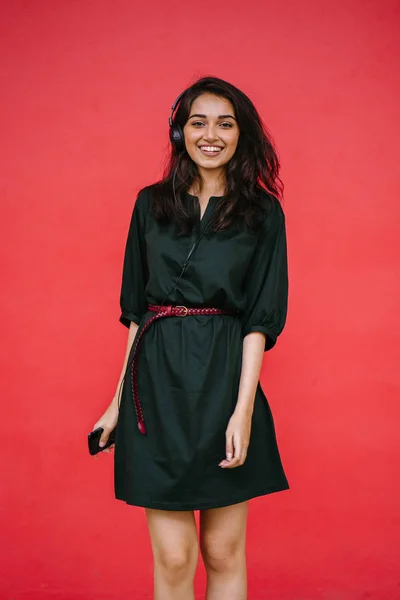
x=87, y=91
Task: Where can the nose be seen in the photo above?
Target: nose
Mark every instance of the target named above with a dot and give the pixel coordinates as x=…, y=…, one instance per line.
x=209, y=133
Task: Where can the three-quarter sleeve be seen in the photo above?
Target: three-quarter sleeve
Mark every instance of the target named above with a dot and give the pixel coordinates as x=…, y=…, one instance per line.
x=135, y=270
x=266, y=282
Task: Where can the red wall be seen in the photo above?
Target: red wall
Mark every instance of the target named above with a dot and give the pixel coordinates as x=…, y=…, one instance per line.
x=87, y=90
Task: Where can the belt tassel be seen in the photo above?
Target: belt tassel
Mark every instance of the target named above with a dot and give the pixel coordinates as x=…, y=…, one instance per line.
x=163, y=311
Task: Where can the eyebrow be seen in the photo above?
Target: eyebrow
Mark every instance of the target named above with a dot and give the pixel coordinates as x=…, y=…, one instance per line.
x=219, y=116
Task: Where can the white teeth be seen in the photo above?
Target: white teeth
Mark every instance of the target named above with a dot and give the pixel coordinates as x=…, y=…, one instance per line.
x=211, y=148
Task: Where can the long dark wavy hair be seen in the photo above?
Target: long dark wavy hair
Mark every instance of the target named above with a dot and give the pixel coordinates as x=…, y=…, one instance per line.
x=252, y=174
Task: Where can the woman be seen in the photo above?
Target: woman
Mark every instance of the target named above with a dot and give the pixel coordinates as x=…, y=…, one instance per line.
x=194, y=428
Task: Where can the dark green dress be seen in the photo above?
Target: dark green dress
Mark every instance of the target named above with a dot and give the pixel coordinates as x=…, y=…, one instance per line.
x=189, y=367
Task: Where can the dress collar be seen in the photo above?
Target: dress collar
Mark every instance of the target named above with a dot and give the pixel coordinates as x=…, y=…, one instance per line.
x=211, y=197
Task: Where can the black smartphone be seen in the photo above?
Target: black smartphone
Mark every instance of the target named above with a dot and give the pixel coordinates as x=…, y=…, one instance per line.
x=94, y=438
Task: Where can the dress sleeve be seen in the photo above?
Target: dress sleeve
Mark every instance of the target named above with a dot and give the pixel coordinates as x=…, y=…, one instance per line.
x=266, y=282
x=135, y=270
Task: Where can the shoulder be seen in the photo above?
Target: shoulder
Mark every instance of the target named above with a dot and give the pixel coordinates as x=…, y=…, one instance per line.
x=273, y=213
x=144, y=200
x=144, y=196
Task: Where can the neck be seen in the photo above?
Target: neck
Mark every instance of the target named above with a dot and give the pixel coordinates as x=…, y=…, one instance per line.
x=212, y=182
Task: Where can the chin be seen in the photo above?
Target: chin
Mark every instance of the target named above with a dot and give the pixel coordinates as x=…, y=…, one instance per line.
x=211, y=167
x=209, y=164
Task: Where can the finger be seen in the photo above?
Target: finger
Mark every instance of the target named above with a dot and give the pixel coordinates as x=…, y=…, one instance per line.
x=230, y=460
x=237, y=446
x=229, y=449
x=225, y=463
x=237, y=451
x=104, y=438
x=230, y=464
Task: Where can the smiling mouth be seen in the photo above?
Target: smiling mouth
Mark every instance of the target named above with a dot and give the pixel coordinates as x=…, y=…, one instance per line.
x=210, y=150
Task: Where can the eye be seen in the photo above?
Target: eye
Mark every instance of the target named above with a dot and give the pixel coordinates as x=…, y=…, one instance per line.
x=224, y=125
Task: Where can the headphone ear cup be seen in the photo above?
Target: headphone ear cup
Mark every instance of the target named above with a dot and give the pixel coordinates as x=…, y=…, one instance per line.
x=177, y=137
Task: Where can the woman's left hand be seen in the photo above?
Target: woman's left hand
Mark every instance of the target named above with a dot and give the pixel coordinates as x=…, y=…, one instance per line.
x=237, y=440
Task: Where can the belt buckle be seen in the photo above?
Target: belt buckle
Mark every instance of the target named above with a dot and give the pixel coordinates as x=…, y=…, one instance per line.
x=184, y=315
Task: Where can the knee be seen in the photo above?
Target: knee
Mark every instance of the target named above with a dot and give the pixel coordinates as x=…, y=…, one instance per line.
x=176, y=565
x=222, y=557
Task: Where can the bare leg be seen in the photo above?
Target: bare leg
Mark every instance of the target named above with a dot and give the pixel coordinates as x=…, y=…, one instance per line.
x=223, y=548
x=174, y=542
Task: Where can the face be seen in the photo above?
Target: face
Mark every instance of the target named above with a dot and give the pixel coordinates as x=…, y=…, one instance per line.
x=211, y=132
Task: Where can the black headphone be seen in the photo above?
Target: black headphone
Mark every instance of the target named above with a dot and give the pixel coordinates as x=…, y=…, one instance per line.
x=175, y=131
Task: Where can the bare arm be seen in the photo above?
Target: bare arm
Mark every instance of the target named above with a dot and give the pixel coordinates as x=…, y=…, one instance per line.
x=109, y=419
x=252, y=356
x=131, y=338
x=239, y=426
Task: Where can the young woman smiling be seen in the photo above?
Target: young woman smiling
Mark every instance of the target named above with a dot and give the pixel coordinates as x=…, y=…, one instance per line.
x=194, y=430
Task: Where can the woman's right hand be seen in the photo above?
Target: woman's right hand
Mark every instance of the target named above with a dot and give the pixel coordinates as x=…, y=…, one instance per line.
x=108, y=421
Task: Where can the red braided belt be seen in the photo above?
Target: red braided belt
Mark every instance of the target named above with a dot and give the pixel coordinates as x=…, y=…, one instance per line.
x=163, y=311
